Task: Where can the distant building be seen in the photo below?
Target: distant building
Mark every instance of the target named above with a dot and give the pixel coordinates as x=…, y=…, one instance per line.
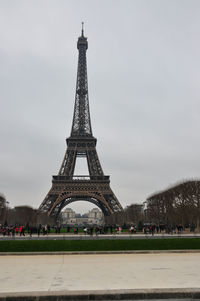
x=93, y=217
x=68, y=216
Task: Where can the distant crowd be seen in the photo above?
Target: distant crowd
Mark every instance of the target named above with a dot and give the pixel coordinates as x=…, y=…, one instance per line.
x=21, y=230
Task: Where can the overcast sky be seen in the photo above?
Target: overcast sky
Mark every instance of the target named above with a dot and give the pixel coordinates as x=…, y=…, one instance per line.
x=143, y=71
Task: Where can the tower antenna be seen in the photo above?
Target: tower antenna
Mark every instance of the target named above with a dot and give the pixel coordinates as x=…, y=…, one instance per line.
x=82, y=29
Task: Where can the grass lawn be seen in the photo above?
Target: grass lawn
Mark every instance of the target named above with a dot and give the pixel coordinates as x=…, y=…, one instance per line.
x=99, y=245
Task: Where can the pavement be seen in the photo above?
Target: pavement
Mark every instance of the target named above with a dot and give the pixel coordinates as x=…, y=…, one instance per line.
x=102, y=236
x=39, y=275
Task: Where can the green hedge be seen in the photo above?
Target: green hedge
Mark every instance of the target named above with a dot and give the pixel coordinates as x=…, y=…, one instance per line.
x=99, y=245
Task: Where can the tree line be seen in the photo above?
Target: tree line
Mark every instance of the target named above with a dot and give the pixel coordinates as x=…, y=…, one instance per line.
x=179, y=204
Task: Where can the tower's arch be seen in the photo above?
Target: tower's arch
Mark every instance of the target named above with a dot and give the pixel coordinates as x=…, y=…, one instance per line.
x=66, y=199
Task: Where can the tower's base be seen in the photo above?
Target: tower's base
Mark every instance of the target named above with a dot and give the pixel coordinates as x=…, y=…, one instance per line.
x=94, y=189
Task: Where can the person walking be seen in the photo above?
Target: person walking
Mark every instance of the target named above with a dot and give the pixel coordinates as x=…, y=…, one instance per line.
x=38, y=231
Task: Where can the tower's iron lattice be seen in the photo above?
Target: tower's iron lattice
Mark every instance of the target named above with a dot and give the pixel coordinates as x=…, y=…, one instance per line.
x=67, y=188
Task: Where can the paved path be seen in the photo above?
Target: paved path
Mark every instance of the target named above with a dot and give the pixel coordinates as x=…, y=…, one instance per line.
x=46, y=273
x=102, y=236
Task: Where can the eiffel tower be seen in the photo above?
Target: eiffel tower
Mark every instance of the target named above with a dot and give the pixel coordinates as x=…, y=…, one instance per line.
x=66, y=187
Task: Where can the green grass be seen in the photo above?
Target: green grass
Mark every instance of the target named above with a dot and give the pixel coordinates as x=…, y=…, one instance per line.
x=99, y=245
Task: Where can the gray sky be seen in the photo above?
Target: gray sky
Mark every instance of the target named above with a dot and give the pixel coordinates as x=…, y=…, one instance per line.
x=144, y=92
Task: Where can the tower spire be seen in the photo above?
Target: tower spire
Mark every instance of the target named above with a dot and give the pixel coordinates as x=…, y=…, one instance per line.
x=81, y=125
x=82, y=31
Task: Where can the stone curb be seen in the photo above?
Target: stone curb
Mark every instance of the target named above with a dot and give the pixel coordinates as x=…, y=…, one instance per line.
x=137, y=294
x=97, y=252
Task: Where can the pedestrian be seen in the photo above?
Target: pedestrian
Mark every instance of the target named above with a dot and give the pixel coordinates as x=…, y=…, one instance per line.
x=38, y=231
x=3, y=230
x=13, y=231
x=17, y=230
x=45, y=229
x=20, y=230
x=30, y=231
x=23, y=231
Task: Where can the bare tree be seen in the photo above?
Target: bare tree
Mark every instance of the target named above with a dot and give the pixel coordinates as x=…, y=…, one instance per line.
x=44, y=219
x=134, y=214
x=22, y=215
x=2, y=208
x=179, y=204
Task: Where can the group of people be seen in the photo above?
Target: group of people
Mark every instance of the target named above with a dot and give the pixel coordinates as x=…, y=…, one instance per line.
x=92, y=230
x=12, y=230
x=21, y=230
x=132, y=229
x=152, y=229
x=46, y=229
x=97, y=230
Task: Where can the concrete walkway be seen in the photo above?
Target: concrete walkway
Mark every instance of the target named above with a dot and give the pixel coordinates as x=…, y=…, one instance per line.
x=81, y=236
x=47, y=273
